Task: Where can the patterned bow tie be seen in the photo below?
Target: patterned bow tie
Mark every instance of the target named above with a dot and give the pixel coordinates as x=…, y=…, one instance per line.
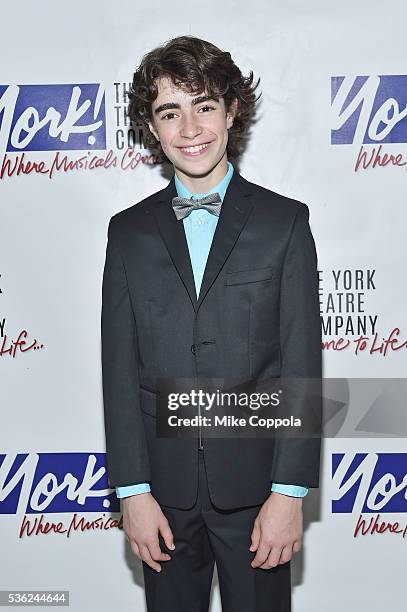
x=183, y=206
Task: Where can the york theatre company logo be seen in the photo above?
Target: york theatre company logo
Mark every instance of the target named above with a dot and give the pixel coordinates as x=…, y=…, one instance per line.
x=370, y=112
x=373, y=488
x=49, y=118
x=38, y=485
x=52, y=128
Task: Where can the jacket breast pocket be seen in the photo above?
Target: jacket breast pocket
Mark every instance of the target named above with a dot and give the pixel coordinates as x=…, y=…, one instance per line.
x=256, y=275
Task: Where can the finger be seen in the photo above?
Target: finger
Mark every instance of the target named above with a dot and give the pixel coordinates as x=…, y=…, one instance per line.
x=146, y=557
x=272, y=558
x=156, y=553
x=261, y=555
x=255, y=537
x=297, y=546
x=133, y=545
x=167, y=535
x=286, y=555
x=135, y=548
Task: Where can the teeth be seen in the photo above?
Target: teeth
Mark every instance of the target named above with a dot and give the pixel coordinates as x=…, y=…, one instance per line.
x=194, y=149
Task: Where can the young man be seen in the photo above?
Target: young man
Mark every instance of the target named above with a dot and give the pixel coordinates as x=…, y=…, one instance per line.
x=223, y=287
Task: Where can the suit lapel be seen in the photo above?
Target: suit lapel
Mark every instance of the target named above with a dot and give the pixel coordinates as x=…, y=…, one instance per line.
x=236, y=208
x=173, y=234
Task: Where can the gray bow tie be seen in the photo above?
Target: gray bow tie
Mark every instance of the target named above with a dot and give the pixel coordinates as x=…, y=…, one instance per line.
x=183, y=206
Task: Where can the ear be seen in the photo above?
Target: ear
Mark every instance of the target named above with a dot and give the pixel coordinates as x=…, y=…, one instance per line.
x=153, y=130
x=231, y=113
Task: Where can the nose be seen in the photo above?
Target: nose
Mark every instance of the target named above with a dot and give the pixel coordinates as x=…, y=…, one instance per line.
x=190, y=127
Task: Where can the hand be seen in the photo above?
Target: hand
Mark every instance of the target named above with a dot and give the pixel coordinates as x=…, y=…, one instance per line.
x=277, y=531
x=143, y=519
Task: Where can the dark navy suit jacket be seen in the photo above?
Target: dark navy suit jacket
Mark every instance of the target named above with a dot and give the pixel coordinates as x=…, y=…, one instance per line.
x=256, y=317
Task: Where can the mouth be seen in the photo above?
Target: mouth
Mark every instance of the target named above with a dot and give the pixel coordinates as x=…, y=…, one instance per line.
x=194, y=151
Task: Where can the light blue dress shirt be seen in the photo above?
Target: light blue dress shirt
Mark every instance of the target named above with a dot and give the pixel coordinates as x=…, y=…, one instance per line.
x=199, y=229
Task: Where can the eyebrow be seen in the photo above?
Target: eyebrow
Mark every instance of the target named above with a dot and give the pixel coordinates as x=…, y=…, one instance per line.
x=171, y=105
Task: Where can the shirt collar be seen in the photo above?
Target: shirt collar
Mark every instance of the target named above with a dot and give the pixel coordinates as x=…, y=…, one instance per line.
x=220, y=188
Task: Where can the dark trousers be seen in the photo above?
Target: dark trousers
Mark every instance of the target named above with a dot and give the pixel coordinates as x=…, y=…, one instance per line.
x=204, y=535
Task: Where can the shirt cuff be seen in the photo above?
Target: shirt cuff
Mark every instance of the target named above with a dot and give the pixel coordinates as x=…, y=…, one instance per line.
x=291, y=490
x=143, y=487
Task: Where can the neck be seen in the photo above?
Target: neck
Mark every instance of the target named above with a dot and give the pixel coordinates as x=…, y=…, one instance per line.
x=204, y=182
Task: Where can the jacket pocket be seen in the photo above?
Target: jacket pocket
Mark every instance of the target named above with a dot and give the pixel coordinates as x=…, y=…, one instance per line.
x=256, y=275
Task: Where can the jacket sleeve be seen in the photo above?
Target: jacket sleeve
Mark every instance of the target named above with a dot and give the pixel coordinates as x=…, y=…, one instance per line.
x=126, y=446
x=297, y=460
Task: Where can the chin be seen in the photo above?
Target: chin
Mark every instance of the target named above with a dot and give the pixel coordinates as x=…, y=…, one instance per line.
x=198, y=168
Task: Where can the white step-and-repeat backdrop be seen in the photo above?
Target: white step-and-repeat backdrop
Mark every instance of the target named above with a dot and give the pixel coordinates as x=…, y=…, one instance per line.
x=332, y=132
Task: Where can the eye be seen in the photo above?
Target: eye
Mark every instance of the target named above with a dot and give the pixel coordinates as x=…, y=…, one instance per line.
x=207, y=106
x=167, y=115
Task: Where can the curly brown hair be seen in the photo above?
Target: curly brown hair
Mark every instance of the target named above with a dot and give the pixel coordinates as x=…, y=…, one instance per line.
x=196, y=66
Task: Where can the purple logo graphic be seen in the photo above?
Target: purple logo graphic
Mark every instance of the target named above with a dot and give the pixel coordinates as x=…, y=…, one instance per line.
x=369, y=109
x=369, y=482
x=55, y=482
x=52, y=117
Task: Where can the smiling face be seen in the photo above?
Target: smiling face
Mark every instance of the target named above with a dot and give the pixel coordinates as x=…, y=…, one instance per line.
x=193, y=132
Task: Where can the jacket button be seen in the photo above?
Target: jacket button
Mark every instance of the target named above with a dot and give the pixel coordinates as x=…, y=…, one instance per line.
x=193, y=348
